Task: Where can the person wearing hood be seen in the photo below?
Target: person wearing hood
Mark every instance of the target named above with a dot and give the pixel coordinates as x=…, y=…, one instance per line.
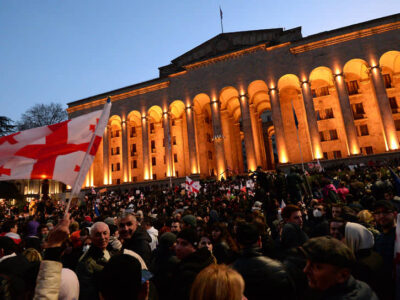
x=134, y=237
x=369, y=264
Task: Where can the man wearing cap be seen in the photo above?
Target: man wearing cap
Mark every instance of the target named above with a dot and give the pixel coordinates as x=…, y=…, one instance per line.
x=192, y=261
x=328, y=270
x=385, y=216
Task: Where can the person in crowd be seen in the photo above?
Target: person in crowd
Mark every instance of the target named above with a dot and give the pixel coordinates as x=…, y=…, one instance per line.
x=224, y=248
x=328, y=270
x=385, y=214
x=337, y=228
x=205, y=242
x=93, y=261
x=175, y=227
x=189, y=221
x=336, y=210
x=218, y=282
x=10, y=229
x=292, y=234
x=294, y=183
x=192, y=261
x=342, y=191
x=153, y=233
x=393, y=199
x=121, y=278
x=369, y=264
x=164, y=264
x=366, y=218
x=262, y=275
x=134, y=237
x=318, y=223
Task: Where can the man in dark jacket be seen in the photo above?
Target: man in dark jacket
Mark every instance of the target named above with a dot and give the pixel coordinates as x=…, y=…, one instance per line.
x=192, y=261
x=134, y=237
x=328, y=270
x=263, y=277
x=292, y=233
x=93, y=261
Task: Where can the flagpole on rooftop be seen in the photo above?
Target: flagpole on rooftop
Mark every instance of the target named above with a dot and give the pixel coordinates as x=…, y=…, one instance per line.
x=221, y=15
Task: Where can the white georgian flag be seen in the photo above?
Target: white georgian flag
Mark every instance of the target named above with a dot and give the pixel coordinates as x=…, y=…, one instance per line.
x=192, y=186
x=62, y=151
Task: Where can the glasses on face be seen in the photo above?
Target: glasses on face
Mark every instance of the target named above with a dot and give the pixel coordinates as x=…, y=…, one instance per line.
x=122, y=225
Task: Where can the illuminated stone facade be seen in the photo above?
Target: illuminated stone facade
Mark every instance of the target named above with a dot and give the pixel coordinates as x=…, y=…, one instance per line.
x=203, y=115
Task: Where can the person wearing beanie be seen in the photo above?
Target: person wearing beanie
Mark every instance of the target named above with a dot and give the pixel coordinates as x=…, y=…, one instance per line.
x=328, y=270
x=192, y=261
x=189, y=221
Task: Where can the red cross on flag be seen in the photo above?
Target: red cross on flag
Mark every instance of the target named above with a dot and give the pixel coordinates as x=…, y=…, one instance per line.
x=62, y=151
x=192, y=186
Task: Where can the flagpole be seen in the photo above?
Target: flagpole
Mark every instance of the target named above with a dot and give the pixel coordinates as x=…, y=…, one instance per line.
x=298, y=141
x=88, y=159
x=220, y=14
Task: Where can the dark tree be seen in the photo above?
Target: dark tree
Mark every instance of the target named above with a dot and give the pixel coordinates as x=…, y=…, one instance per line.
x=42, y=115
x=6, y=126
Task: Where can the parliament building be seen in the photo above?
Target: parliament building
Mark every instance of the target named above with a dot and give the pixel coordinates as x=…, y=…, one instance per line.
x=255, y=98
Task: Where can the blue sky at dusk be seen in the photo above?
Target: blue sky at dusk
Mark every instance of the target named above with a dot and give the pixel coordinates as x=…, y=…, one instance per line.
x=62, y=51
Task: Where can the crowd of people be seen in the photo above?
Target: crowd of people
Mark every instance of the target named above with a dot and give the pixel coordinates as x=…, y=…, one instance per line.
x=327, y=234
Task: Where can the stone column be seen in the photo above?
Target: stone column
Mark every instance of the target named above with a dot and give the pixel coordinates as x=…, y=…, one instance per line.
x=167, y=142
x=347, y=114
x=194, y=169
x=278, y=126
x=248, y=133
x=311, y=120
x=125, y=153
x=106, y=157
x=389, y=128
x=218, y=139
x=145, y=145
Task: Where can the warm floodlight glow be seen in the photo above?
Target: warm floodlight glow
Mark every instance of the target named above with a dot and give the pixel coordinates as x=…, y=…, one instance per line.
x=394, y=145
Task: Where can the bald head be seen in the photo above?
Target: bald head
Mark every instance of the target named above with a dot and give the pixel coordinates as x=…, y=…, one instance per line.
x=100, y=234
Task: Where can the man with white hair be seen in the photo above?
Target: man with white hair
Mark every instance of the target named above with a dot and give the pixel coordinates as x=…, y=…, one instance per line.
x=94, y=260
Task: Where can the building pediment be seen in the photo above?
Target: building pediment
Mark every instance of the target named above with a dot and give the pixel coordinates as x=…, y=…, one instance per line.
x=229, y=42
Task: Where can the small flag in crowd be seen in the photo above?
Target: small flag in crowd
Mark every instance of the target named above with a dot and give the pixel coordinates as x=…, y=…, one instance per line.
x=96, y=210
x=192, y=186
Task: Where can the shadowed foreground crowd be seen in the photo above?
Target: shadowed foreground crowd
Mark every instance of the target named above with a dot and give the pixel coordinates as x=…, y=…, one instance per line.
x=328, y=235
